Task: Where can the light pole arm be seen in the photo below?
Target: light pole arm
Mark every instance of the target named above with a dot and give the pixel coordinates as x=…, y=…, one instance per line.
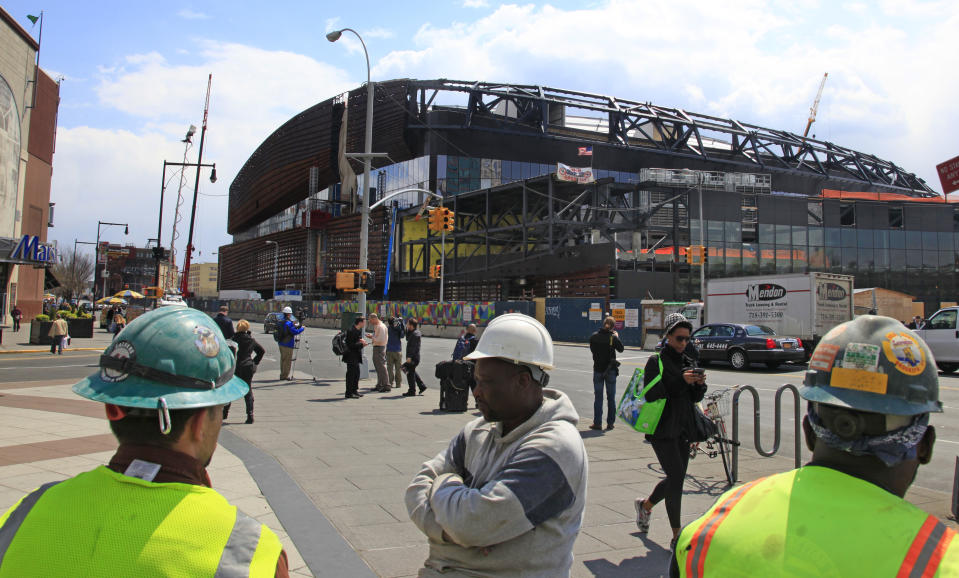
x=414, y=190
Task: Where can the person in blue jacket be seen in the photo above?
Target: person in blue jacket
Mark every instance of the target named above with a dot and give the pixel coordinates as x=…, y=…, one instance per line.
x=288, y=332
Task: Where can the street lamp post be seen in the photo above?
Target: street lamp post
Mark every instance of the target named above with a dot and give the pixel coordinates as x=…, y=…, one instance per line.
x=96, y=268
x=74, y=264
x=367, y=160
x=276, y=259
x=159, y=250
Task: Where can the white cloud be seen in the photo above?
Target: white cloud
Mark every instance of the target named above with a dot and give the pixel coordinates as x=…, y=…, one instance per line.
x=378, y=33
x=188, y=14
x=475, y=4
x=114, y=175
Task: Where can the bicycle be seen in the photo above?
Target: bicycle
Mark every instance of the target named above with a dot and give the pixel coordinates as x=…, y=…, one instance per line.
x=715, y=406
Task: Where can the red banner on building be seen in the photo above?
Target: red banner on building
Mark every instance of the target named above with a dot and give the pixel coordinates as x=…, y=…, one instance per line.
x=949, y=175
x=574, y=174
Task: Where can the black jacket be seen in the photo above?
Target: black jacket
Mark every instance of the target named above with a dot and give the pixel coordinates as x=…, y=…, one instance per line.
x=678, y=419
x=354, y=349
x=248, y=351
x=604, y=345
x=225, y=324
x=413, y=339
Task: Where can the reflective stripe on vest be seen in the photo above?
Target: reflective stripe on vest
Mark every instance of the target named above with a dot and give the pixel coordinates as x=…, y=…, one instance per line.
x=926, y=550
x=16, y=518
x=239, y=549
x=699, y=544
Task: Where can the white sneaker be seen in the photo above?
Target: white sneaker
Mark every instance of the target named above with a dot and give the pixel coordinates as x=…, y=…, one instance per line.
x=642, y=516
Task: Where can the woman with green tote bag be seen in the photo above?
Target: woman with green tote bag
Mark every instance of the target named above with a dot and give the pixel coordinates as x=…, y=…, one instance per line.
x=682, y=385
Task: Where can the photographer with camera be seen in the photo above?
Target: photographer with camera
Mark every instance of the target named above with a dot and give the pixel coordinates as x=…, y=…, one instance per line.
x=603, y=345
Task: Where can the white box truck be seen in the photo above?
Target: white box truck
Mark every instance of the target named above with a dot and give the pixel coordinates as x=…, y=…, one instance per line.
x=804, y=305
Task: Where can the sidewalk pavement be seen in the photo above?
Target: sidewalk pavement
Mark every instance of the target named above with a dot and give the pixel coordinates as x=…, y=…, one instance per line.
x=19, y=342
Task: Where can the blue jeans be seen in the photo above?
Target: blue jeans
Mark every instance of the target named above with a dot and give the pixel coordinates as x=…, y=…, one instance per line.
x=609, y=379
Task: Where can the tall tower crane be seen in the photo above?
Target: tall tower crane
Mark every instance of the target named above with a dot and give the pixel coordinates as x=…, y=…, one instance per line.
x=815, y=106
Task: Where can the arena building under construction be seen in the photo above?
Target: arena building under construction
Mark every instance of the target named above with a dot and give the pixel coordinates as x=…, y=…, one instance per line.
x=563, y=193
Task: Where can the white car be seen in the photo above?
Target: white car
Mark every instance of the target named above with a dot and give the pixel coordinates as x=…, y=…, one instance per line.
x=941, y=333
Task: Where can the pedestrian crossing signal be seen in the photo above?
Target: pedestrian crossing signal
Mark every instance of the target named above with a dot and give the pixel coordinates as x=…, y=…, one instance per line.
x=435, y=271
x=435, y=219
x=695, y=254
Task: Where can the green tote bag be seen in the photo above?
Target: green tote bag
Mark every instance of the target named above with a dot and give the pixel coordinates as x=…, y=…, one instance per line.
x=641, y=415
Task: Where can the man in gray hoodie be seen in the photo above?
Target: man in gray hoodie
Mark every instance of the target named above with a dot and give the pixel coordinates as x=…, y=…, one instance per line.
x=506, y=497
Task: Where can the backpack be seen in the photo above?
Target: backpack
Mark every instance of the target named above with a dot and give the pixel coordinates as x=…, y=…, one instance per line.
x=281, y=332
x=339, y=343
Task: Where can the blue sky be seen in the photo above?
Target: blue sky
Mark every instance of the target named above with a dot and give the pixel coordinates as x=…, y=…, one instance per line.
x=135, y=77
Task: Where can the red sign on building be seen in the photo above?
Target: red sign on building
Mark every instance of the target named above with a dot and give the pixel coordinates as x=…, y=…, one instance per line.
x=949, y=175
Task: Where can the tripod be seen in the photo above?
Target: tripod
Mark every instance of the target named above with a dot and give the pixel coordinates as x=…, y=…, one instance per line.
x=309, y=356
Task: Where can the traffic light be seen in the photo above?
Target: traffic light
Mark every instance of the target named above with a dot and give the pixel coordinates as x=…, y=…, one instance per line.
x=447, y=219
x=435, y=271
x=369, y=282
x=159, y=253
x=435, y=220
x=695, y=254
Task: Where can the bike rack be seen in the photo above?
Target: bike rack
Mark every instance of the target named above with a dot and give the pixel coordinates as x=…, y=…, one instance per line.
x=778, y=425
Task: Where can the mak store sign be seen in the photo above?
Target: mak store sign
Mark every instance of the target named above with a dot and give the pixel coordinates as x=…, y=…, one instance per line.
x=31, y=249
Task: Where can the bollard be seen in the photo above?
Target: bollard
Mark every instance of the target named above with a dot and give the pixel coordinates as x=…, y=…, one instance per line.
x=777, y=426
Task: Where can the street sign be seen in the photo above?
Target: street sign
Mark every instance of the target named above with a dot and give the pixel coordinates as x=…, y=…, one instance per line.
x=949, y=175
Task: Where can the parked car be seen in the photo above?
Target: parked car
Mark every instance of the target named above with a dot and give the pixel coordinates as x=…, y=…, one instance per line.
x=942, y=336
x=742, y=345
x=272, y=320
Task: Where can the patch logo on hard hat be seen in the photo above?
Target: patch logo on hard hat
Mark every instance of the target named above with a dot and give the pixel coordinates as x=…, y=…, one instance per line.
x=823, y=357
x=903, y=351
x=861, y=356
x=206, y=341
x=120, y=350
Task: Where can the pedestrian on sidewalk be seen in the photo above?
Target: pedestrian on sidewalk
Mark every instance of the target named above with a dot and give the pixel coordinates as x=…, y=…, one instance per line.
x=466, y=343
x=152, y=510
x=58, y=333
x=842, y=514
x=224, y=322
x=119, y=322
x=286, y=340
x=676, y=380
x=394, y=351
x=603, y=345
x=413, y=340
x=17, y=316
x=506, y=498
x=380, y=337
x=353, y=356
x=249, y=353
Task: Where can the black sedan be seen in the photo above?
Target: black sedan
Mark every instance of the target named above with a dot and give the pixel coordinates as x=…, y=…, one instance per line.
x=273, y=320
x=742, y=345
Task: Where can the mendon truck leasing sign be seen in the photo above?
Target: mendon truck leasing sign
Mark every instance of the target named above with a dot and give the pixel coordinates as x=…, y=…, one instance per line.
x=799, y=305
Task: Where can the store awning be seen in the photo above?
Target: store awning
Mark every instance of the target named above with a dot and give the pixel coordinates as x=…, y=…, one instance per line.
x=49, y=280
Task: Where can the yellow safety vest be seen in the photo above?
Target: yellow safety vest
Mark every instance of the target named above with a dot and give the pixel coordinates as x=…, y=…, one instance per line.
x=101, y=523
x=816, y=521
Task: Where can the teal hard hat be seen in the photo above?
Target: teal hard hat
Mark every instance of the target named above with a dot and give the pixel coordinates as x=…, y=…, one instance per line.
x=175, y=357
x=873, y=364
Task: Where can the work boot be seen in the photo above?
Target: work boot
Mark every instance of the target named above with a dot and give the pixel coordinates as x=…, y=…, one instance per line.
x=249, y=418
x=409, y=393
x=422, y=388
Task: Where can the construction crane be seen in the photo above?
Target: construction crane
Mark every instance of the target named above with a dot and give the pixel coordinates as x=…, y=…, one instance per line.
x=815, y=107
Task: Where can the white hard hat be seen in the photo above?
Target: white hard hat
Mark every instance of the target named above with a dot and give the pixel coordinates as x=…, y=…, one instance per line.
x=518, y=338
x=288, y=310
